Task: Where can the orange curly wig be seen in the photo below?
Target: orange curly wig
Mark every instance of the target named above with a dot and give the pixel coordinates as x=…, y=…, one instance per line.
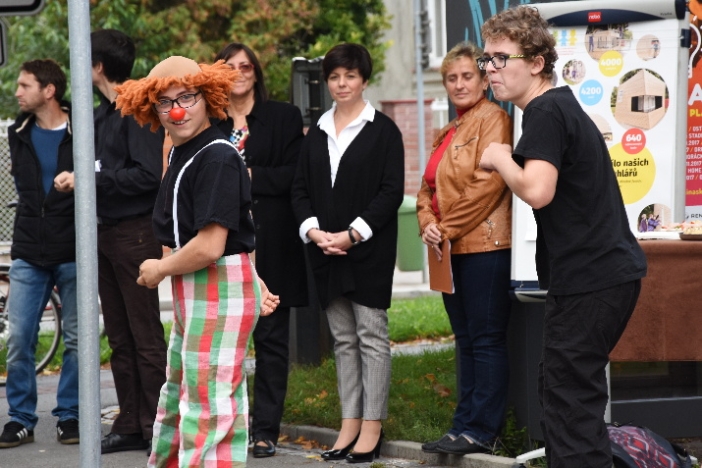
x=137, y=97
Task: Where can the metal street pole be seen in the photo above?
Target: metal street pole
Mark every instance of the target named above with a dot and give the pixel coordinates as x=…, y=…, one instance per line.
x=419, y=75
x=86, y=232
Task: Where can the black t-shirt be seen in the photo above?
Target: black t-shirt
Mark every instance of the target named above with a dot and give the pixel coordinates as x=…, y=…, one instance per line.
x=584, y=242
x=211, y=186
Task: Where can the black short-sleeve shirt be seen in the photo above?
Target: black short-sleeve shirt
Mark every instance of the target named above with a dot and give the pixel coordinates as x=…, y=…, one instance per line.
x=210, y=184
x=584, y=242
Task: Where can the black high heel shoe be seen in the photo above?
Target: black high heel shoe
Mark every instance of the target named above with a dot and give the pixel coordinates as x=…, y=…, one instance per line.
x=339, y=454
x=367, y=457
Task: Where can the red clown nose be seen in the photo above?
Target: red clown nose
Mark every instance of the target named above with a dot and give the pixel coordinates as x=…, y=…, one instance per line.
x=177, y=113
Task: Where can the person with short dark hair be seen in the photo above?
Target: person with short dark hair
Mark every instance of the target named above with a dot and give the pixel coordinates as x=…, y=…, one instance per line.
x=586, y=255
x=114, y=52
x=268, y=135
x=127, y=174
x=128, y=168
x=347, y=190
x=349, y=56
x=43, y=250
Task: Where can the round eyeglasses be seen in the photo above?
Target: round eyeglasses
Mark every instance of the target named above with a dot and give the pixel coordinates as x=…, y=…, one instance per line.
x=164, y=106
x=498, y=61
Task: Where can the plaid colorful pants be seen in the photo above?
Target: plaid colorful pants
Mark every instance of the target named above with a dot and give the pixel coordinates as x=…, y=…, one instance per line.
x=202, y=418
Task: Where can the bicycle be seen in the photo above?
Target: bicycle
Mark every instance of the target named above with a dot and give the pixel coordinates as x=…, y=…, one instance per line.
x=49, y=325
x=50, y=330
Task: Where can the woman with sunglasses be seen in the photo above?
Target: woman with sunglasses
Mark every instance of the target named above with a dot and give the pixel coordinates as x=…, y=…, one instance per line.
x=268, y=135
x=202, y=213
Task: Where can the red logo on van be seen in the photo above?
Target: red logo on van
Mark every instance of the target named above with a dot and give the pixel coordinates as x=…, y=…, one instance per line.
x=594, y=17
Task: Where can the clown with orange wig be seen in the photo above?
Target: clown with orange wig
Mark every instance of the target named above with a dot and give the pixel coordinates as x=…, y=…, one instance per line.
x=203, y=213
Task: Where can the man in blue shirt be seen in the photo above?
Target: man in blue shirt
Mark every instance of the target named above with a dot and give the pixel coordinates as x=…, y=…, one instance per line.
x=43, y=249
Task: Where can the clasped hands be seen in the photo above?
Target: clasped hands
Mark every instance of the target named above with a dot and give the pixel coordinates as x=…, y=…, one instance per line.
x=332, y=243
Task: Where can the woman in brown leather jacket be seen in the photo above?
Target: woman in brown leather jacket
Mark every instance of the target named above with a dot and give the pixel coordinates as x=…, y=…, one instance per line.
x=471, y=208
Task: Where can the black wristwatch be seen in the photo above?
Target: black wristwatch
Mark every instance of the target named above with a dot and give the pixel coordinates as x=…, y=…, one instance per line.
x=354, y=241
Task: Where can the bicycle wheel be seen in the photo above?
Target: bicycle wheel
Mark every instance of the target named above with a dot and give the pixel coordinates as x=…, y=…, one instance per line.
x=49, y=332
x=4, y=321
x=49, y=325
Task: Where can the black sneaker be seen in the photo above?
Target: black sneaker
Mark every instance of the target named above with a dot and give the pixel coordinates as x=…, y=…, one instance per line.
x=67, y=432
x=15, y=434
x=433, y=447
x=461, y=445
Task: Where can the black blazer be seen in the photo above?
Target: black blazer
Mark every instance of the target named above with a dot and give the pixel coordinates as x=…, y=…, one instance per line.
x=369, y=184
x=271, y=151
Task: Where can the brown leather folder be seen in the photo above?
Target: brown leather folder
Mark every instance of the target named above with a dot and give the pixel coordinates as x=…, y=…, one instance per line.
x=440, y=274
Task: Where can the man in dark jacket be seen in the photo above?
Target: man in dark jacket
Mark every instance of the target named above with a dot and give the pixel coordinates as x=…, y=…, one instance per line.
x=128, y=168
x=43, y=250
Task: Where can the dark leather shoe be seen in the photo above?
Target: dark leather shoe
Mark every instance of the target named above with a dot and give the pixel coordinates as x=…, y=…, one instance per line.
x=339, y=454
x=460, y=446
x=366, y=457
x=263, y=451
x=433, y=447
x=148, y=450
x=122, y=442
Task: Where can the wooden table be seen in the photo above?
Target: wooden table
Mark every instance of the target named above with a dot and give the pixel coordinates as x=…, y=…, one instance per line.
x=667, y=322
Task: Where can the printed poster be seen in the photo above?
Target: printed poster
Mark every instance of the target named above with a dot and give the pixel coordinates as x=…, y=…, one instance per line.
x=625, y=76
x=693, y=185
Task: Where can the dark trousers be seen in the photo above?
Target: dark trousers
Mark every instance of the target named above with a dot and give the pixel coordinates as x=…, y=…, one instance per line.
x=132, y=322
x=479, y=314
x=580, y=331
x=271, y=337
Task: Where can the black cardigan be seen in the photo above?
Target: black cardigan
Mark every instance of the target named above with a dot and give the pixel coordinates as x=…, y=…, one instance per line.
x=271, y=152
x=369, y=184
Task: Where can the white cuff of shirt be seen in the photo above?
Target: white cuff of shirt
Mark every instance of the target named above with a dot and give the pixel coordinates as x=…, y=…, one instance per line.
x=309, y=223
x=363, y=229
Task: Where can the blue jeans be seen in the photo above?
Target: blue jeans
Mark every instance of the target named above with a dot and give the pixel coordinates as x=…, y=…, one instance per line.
x=479, y=314
x=30, y=290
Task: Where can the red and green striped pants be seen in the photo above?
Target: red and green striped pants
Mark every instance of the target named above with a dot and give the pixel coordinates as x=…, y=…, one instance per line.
x=202, y=418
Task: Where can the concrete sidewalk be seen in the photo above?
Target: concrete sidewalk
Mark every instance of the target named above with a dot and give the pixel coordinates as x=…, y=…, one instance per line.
x=46, y=452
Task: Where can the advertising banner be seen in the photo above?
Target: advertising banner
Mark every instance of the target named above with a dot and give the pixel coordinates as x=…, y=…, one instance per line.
x=693, y=192
x=626, y=63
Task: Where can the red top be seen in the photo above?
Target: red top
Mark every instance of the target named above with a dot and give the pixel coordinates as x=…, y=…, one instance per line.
x=433, y=164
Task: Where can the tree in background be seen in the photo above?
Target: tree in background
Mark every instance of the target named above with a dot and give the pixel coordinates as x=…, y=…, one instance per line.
x=277, y=30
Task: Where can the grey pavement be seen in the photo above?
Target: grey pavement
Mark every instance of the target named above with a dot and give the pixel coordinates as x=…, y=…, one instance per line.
x=300, y=446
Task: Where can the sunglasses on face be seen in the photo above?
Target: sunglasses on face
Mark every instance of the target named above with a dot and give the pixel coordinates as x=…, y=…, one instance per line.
x=242, y=67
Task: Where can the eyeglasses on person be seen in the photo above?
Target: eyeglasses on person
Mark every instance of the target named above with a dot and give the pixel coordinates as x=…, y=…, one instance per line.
x=164, y=106
x=498, y=61
x=242, y=67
